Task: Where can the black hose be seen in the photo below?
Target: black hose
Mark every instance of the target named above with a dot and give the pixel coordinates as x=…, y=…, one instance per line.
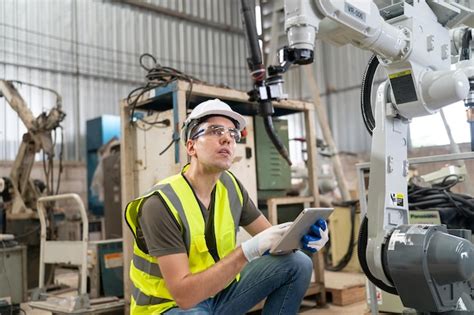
x=250, y=27
x=366, y=94
x=466, y=41
x=350, y=247
x=268, y=122
x=471, y=125
x=361, y=252
x=456, y=210
x=257, y=70
x=465, y=54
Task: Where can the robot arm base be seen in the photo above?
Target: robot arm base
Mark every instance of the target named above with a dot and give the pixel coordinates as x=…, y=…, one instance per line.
x=418, y=257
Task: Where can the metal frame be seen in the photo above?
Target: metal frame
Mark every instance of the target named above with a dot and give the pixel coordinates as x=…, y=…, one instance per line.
x=362, y=167
x=73, y=253
x=67, y=252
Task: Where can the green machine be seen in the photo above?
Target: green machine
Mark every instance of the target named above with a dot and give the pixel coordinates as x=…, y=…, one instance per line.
x=273, y=172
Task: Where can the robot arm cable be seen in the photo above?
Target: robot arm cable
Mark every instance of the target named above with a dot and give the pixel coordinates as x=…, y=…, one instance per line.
x=366, y=93
x=257, y=72
x=361, y=253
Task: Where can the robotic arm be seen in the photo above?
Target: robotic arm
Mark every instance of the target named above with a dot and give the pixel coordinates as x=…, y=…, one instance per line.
x=24, y=192
x=430, y=267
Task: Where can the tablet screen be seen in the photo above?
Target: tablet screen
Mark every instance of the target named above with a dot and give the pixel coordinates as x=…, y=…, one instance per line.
x=292, y=238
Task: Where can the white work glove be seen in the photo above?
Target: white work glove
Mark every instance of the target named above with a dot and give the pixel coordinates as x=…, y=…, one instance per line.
x=317, y=236
x=263, y=241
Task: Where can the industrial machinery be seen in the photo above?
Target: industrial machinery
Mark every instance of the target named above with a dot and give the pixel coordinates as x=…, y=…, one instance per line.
x=424, y=47
x=75, y=253
x=99, y=132
x=273, y=174
x=20, y=192
x=24, y=192
x=12, y=271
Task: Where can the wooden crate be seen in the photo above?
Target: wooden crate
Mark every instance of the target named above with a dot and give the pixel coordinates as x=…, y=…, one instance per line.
x=345, y=288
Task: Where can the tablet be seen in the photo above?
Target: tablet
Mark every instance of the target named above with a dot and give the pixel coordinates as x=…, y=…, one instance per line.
x=292, y=238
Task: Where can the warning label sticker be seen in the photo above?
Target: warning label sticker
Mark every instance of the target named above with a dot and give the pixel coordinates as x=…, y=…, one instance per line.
x=403, y=87
x=113, y=260
x=417, y=229
x=397, y=237
x=397, y=199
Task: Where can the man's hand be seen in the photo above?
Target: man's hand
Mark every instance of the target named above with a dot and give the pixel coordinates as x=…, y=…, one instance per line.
x=317, y=236
x=260, y=243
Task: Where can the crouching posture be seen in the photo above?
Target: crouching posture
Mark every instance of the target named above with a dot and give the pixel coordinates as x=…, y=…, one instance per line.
x=186, y=260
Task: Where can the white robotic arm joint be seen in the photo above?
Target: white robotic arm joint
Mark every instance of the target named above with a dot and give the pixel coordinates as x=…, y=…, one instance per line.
x=413, y=44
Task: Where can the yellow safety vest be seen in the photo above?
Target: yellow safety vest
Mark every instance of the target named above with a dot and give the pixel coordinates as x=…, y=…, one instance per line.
x=150, y=294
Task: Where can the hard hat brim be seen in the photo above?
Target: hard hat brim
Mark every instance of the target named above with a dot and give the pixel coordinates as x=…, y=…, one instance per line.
x=225, y=113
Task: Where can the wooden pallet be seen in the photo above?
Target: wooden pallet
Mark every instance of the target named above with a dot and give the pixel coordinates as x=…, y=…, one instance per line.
x=345, y=288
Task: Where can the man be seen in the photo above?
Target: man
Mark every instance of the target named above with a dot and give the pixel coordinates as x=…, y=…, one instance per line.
x=185, y=256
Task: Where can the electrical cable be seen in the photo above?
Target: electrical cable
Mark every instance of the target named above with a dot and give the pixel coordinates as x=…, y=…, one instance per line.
x=51, y=166
x=58, y=96
x=47, y=162
x=456, y=210
x=350, y=246
x=112, y=72
x=158, y=76
x=107, y=50
x=153, y=124
x=361, y=252
x=20, y=236
x=4, y=257
x=366, y=94
x=61, y=157
x=70, y=68
x=465, y=45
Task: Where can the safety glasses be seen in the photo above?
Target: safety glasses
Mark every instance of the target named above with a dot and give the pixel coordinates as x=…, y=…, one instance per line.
x=218, y=131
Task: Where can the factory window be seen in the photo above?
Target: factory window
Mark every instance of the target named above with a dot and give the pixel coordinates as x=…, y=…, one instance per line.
x=430, y=131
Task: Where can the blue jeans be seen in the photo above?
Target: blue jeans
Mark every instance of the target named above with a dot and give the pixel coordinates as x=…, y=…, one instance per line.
x=283, y=280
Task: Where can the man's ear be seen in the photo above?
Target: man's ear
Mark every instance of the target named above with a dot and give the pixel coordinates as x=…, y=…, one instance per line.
x=190, y=147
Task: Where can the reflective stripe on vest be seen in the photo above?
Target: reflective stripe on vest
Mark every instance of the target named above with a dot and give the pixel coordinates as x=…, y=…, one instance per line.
x=173, y=198
x=143, y=299
x=144, y=265
x=235, y=196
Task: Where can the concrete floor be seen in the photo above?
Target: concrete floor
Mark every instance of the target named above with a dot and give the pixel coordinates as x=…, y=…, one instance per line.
x=359, y=308
x=308, y=307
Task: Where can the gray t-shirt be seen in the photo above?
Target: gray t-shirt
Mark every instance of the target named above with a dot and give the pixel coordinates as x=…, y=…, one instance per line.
x=162, y=232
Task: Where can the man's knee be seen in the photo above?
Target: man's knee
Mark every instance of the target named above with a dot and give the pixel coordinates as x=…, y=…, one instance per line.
x=297, y=263
x=302, y=262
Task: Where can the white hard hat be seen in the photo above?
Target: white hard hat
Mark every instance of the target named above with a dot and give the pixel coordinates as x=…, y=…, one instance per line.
x=212, y=107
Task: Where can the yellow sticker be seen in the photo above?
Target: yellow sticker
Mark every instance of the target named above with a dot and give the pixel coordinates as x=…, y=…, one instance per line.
x=397, y=199
x=399, y=74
